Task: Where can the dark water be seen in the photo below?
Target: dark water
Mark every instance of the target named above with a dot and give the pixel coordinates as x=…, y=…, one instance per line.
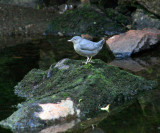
x=142, y=116
x=15, y=62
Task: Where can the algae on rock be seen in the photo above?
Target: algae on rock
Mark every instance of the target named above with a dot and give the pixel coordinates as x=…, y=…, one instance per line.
x=86, y=20
x=90, y=87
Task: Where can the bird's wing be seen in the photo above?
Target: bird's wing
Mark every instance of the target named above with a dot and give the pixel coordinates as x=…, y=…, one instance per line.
x=87, y=45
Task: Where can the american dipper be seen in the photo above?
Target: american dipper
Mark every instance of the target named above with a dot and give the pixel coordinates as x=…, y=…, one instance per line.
x=86, y=48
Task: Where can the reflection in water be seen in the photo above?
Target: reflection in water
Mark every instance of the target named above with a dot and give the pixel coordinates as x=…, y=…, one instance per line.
x=60, y=127
x=15, y=62
x=150, y=104
x=142, y=116
x=10, y=41
x=136, y=64
x=47, y=56
x=143, y=62
x=94, y=130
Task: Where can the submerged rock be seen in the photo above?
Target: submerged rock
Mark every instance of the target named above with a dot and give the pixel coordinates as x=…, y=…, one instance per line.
x=133, y=41
x=70, y=92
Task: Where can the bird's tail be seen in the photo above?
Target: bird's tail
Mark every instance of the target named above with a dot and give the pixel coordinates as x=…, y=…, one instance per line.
x=101, y=42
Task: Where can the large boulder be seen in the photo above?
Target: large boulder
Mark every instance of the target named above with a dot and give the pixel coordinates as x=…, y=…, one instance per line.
x=70, y=90
x=133, y=41
x=151, y=5
x=84, y=20
x=143, y=20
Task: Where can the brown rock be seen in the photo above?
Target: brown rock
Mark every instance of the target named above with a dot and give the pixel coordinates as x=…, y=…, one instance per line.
x=87, y=36
x=133, y=41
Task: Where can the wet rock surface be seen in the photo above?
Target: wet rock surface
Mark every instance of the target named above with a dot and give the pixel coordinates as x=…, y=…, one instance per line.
x=133, y=41
x=141, y=20
x=75, y=85
x=153, y=6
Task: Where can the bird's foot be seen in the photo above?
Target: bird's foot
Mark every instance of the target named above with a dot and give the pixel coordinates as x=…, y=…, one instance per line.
x=91, y=62
x=86, y=62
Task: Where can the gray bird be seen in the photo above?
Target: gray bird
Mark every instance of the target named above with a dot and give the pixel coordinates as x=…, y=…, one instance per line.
x=86, y=48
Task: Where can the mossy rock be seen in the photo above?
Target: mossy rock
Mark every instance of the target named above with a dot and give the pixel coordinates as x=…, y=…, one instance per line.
x=82, y=20
x=90, y=86
x=118, y=17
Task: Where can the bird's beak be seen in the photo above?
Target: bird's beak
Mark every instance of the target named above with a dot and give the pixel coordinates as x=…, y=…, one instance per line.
x=69, y=40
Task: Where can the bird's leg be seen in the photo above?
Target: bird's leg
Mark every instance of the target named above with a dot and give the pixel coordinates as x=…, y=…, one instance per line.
x=86, y=61
x=90, y=60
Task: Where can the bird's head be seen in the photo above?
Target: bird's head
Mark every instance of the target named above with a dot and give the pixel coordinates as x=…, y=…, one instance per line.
x=75, y=39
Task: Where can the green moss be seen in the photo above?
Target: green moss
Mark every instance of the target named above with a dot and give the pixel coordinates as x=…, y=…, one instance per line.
x=83, y=20
x=118, y=17
x=30, y=81
x=88, y=66
x=90, y=88
x=76, y=82
x=53, y=96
